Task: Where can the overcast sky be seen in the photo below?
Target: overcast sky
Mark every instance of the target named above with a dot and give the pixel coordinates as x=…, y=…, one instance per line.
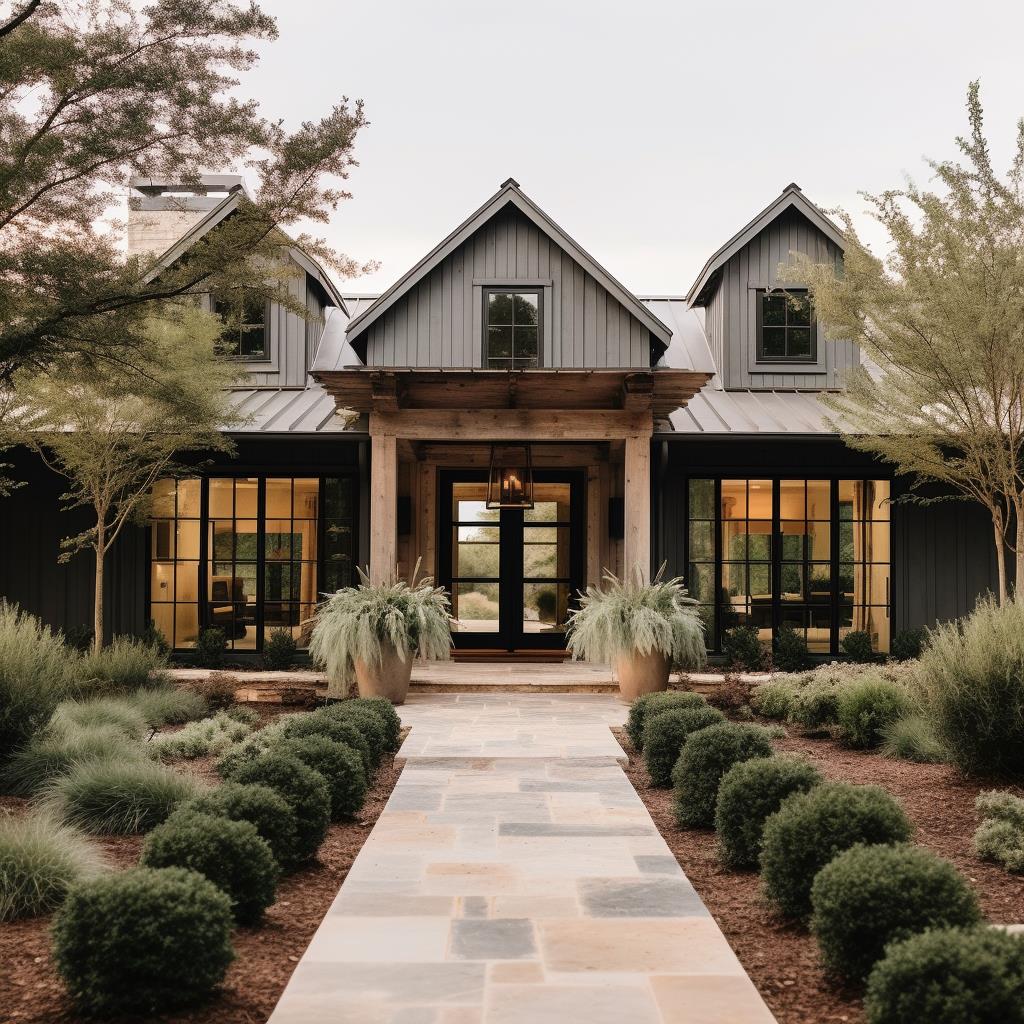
x=650, y=131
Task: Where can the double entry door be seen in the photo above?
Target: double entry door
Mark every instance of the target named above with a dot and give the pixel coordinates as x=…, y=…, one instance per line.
x=513, y=574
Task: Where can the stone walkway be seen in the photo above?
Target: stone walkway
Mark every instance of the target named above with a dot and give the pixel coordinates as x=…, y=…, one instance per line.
x=515, y=877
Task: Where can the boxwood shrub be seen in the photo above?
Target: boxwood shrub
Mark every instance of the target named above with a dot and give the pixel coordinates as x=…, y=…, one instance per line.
x=143, y=941
x=385, y=711
x=866, y=707
x=950, y=975
x=652, y=703
x=870, y=896
x=341, y=730
x=339, y=764
x=366, y=720
x=811, y=828
x=705, y=758
x=231, y=854
x=665, y=733
x=750, y=792
x=261, y=806
x=305, y=790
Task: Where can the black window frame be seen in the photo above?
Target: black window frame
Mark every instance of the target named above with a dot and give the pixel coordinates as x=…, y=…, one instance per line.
x=763, y=293
x=512, y=289
x=231, y=336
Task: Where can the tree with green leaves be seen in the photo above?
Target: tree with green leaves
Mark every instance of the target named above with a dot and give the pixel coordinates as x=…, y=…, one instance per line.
x=113, y=434
x=95, y=92
x=941, y=322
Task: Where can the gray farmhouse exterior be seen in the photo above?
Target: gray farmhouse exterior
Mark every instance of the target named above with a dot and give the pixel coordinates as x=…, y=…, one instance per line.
x=683, y=429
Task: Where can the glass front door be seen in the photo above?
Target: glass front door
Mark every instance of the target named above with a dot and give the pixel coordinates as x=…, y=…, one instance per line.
x=512, y=573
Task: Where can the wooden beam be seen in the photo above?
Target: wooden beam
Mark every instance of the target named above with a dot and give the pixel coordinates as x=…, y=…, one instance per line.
x=383, y=507
x=637, y=495
x=511, y=424
x=638, y=392
x=387, y=393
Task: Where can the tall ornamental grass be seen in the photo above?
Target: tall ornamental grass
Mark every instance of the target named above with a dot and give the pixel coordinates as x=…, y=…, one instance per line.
x=357, y=623
x=99, y=713
x=973, y=674
x=125, y=664
x=624, y=618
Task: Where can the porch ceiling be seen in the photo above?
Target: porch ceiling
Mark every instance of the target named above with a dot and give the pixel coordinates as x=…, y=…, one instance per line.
x=384, y=389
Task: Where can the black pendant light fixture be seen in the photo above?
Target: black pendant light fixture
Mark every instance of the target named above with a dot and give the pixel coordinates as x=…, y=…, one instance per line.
x=510, y=478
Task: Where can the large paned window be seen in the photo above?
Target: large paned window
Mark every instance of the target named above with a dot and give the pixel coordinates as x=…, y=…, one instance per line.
x=245, y=323
x=785, y=327
x=511, y=329
x=811, y=554
x=248, y=554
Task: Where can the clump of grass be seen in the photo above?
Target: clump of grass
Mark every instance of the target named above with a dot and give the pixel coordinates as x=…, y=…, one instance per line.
x=169, y=705
x=53, y=753
x=199, y=739
x=913, y=738
x=125, y=664
x=119, y=797
x=98, y=713
x=40, y=859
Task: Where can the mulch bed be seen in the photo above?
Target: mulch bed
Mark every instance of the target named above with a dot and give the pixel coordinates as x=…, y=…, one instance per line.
x=32, y=993
x=781, y=958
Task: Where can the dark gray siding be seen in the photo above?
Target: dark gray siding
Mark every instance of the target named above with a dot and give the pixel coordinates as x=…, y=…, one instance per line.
x=756, y=266
x=439, y=323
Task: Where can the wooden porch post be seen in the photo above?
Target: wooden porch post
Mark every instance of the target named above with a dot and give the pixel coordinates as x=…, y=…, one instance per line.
x=383, y=506
x=637, y=501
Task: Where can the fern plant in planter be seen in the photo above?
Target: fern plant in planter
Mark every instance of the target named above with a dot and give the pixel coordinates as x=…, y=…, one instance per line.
x=371, y=633
x=643, y=629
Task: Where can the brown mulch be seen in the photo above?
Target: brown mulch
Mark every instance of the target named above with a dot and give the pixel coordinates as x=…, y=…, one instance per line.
x=782, y=958
x=32, y=993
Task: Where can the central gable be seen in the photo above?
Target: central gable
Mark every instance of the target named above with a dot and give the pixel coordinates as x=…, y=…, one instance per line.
x=434, y=317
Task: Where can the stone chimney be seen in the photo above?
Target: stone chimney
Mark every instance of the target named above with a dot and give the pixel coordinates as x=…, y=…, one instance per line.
x=160, y=212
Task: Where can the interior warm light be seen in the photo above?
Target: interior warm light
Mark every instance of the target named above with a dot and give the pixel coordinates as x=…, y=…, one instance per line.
x=510, y=478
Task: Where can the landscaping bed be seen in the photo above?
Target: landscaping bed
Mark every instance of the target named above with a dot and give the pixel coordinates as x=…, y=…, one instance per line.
x=782, y=958
x=31, y=991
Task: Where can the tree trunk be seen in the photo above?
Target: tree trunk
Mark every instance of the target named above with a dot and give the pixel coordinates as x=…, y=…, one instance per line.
x=1018, y=565
x=97, y=610
x=1001, y=559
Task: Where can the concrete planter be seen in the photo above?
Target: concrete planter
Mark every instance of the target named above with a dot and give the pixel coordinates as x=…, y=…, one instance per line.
x=388, y=678
x=640, y=674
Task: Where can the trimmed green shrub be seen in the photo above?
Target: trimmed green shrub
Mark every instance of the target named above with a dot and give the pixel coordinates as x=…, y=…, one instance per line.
x=869, y=896
x=211, y=648
x=231, y=854
x=811, y=828
x=345, y=730
x=705, y=758
x=856, y=645
x=949, y=976
x=742, y=649
x=143, y=941
x=40, y=859
x=908, y=644
x=279, y=650
x=366, y=721
x=244, y=714
x=789, y=650
x=125, y=664
x=120, y=797
x=51, y=754
x=305, y=790
x=773, y=699
x=339, y=764
x=199, y=739
x=913, y=738
x=388, y=716
x=99, y=712
x=654, y=703
x=36, y=674
x=974, y=674
x=750, y=792
x=261, y=806
x=665, y=733
x=864, y=708
x=815, y=708
x=1000, y=836
x=153, y=637
x=168, y=705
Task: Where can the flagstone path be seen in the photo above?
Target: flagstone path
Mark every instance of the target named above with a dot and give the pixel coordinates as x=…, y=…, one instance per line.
x=515, y=876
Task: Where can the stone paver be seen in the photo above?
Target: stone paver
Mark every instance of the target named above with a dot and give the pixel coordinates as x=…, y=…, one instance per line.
x=516, y=876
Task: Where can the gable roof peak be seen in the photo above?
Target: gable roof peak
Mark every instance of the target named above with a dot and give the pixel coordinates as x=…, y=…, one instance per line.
x=510, y=183
x=792, y=187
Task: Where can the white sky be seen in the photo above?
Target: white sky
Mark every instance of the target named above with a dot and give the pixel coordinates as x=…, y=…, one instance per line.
x=650, y=131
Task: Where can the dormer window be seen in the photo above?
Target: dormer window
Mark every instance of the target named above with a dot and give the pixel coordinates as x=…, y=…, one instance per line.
x=785, y=327
x=511, y=328
x=245, y=324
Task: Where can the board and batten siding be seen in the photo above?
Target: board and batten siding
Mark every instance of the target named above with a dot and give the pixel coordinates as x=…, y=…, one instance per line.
x=734, y=308
x=439, y=322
